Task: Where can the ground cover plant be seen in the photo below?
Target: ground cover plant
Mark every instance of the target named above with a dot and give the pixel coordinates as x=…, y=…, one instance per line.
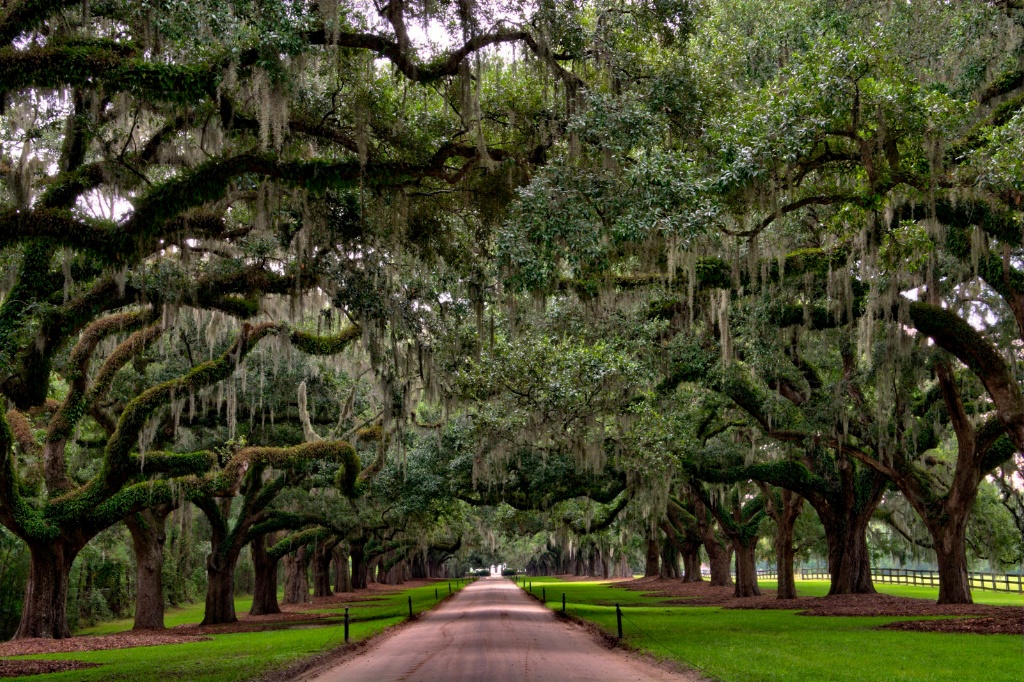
x=754, y=645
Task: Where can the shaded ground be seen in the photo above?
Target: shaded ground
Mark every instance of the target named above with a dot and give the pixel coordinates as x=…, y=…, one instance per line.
x=974, y=618
x=493, y=630
x=292, y=615
x=22, y=668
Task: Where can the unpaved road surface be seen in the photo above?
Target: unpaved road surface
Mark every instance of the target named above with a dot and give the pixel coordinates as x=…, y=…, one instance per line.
x=492, y=631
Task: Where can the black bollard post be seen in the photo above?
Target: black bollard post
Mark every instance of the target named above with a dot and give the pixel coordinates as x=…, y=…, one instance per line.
x=435, y=594
x=544, y=594
x=449, y=588
x=618, y=619
x=346, y=625
x=563, y=602
x=410, y=606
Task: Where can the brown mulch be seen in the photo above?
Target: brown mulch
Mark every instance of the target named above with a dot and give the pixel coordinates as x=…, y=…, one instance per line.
x=121, y=640
x=979, y=626
x=569, y=578
x=37, y=667
x=976, y=618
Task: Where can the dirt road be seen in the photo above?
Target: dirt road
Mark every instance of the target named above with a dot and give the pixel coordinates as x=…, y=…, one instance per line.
x=492, y=631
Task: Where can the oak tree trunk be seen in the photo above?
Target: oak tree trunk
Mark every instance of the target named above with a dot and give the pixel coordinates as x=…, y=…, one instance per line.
x=342, y=575
x=653, y=566
x=746, y=570
x=691, y=561
x=264, y=594
x=44, y=611
x=849, y=562
x=322, y=556
x=220, y=591
x=296, y=581
x=358, y=551
x=784, y=555
x=148, y=531
x=951, y=553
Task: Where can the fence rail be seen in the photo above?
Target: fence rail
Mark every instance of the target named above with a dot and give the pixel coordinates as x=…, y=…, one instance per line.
x=999, y=582
x=761, y=573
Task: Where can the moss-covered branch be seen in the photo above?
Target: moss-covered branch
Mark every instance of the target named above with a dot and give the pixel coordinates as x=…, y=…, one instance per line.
x=955, y=335
x=112, y=67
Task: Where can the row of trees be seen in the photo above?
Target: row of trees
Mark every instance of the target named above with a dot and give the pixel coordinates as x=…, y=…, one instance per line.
x=664, y=268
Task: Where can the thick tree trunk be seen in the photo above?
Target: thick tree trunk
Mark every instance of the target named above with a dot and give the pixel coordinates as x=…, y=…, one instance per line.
x=652, y=569
x=849, y=562
x=691, y=561
x=342, y=575
x=719, y=553
x=358, y=551
x=148, y=531
x=296, y=582
x=746, y=569
x=951, y=553
x=669, y=562
x=784, y=555
x=44, y=611
x=322, y=556
x=264, y=594
x=785, y=520
x=719, y=559
x=220, y=592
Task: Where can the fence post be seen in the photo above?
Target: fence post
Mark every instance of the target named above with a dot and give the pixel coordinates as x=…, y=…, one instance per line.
x=544, y=594
x=563, y=602
x=449, y=588
x=410, y=606
x=435, y=594
x=346, y=625
x=618, y=619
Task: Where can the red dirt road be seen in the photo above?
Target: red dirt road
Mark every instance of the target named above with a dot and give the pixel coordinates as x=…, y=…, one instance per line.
x=491, y=630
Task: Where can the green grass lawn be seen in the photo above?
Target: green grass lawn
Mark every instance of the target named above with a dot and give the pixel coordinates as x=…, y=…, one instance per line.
x=245, y=655
x=756, y=646
x=390, y=605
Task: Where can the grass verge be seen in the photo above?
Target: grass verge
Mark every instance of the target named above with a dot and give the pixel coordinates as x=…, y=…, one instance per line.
x=757, y=646
x=232, y=657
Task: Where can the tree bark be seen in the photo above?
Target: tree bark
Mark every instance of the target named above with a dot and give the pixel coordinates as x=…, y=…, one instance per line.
x=322, y=555
x=296, y=582
x=653, y=567
x=220, y=591
x=719, y=553
x=358, y=552
x=342, y=574
x=849, y=561
x=951, y=553
x=264, y=594
x=784, y=510
x=691, y=560
x=746, y=569
x=148, y=529
x=44, y=611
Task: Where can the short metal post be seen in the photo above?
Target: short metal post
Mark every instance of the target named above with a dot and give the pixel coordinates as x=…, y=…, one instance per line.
x=346, y=625
x=449, y=588
x=544, y=594
x=435, y=594
x=563, y=602
x=618, y=619
x=410, y=606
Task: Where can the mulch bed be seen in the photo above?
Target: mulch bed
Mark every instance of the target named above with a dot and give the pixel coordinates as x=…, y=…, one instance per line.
x=291, y=615
x=975, y=618
x=25, y=668
x=121, y=640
